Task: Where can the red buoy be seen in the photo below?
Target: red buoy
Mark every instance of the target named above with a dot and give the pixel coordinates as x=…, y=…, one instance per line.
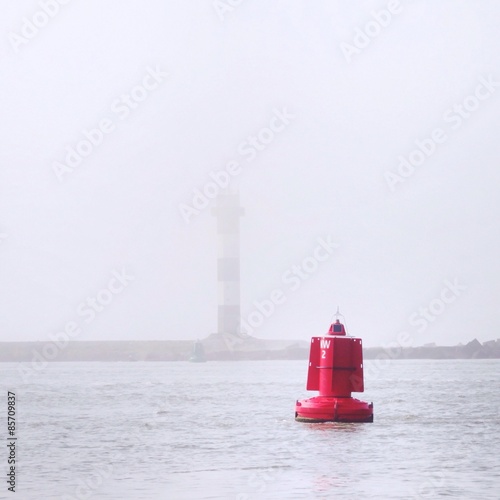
x=335, y=370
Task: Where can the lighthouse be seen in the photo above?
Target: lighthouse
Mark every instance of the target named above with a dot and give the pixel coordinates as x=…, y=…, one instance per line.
x=228, y=212
x=335, y=370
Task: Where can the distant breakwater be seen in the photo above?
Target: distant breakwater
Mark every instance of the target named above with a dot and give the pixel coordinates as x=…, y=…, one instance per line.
x=218, y=348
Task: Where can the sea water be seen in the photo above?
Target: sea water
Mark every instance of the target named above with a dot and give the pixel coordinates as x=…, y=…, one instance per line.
x=226, y=430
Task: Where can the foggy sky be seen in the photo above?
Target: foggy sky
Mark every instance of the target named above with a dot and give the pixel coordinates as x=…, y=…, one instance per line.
x=322, y=175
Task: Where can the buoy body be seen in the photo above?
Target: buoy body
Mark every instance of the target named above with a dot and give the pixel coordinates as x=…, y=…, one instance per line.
x=335, y=370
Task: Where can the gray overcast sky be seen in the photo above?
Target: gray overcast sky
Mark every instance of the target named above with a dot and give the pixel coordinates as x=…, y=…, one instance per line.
x=356, y=101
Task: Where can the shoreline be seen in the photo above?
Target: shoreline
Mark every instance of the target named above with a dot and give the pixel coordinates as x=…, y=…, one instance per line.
x=219, y=347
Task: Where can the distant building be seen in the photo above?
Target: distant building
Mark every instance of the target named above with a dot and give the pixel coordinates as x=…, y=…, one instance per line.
x=228, y=212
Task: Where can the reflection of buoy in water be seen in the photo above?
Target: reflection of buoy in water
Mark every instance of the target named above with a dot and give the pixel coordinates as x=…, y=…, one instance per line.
x=198, y=354
x=335, y=370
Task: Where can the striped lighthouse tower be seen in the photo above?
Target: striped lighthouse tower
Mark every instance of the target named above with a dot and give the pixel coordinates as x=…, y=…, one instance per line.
x=228, y=212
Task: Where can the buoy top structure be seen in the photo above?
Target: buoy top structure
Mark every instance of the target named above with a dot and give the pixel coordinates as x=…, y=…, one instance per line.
x=336, y=328
x=335, y=370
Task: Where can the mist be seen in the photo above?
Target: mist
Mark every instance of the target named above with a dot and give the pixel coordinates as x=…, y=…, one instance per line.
x=368, y=136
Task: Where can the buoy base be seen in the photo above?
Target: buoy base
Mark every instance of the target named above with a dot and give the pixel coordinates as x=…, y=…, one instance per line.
x=332, y=409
